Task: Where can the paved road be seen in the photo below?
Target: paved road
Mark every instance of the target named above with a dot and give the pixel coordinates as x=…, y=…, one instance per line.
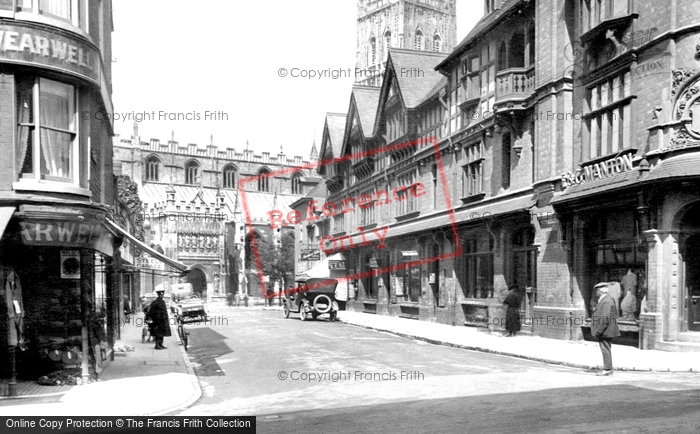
x=318, y=376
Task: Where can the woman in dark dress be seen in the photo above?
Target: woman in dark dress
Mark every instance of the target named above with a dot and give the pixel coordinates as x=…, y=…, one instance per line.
x=512, y=301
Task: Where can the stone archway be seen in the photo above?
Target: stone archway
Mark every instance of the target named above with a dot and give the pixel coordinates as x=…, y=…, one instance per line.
x=198, y=279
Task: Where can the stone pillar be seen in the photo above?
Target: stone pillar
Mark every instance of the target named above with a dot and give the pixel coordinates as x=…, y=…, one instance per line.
x=651, y=322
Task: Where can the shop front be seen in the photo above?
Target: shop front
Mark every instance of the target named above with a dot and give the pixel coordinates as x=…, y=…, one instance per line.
x=639, y=231
x=58, y=276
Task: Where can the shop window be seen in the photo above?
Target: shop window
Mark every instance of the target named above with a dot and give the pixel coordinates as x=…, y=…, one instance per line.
x=473, y=176
x=152, y=168
x=46, y=130
x=608, y=122
x=614, y=247
x=369, y=279
x=229, y=176
x=296, y=183
x=434, y=276
x=408, y=282
x=478, y=267
x=192, y=173
x=264, y=180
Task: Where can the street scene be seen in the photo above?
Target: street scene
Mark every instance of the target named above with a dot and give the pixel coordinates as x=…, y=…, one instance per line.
x=398, y=216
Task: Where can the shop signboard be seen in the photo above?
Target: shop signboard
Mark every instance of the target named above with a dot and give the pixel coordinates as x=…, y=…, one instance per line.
x=336, y=265
x=311, y=255
x=37, y=47
x=149, y=263
x=65, y=233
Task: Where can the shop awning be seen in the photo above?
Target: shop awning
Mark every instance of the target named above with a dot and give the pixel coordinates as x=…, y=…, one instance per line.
x=5, y=216
x=112, y=226
x=320, y=270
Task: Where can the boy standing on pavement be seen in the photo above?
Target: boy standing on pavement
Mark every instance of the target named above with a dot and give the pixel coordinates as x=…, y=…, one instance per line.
x=604, y=325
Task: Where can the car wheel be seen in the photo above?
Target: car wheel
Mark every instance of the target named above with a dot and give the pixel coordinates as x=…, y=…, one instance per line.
x=314, y=315
x=286, y=310
x=302, y=312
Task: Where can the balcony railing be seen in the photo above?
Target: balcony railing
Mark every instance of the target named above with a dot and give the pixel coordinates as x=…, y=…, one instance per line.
x=515, y=84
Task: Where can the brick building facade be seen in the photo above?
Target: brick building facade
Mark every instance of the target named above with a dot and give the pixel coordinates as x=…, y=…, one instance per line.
x=552, y=149
x=58, y=258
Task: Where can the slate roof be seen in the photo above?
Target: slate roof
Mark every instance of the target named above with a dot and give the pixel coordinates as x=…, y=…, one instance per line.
x=485, y=24
x=419, y=77
x=335, y=125
x=366, y=100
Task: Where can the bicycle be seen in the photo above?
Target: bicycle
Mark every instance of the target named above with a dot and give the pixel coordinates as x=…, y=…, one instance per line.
x=181, y=331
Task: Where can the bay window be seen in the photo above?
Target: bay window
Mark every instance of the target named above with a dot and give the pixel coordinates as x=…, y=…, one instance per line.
x=47, y=148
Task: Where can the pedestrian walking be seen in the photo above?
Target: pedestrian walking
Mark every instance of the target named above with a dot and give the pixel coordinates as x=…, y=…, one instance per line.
x=158, y=312
x=512, y=301
x=604, y=325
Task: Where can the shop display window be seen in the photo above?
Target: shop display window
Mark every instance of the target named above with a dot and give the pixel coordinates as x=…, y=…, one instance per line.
x=478, y=266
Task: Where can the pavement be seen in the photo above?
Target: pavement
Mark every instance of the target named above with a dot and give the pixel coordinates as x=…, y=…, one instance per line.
x=160, y=382
x=578, y=354
x=142, y=382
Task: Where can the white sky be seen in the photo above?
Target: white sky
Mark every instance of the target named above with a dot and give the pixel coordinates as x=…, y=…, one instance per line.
x=223, y=56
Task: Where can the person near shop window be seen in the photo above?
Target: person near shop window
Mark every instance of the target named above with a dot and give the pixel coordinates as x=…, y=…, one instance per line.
x=604, y=325
x=512, y=301
x=158, y=313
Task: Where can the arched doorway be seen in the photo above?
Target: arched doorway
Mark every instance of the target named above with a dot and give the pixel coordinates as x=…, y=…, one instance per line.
x=198, y=279
x=690, y=250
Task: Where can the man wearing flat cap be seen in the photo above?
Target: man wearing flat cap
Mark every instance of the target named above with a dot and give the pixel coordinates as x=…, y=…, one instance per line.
x=604, y=325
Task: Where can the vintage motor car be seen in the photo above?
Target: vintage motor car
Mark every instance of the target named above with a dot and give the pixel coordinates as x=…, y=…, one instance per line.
x=316, y=296
x=186, y=304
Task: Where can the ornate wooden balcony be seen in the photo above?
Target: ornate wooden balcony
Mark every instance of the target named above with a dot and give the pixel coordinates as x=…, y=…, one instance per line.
x=514, y=85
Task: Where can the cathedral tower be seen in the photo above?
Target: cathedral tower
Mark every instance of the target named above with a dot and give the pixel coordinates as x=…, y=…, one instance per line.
x=428, y=25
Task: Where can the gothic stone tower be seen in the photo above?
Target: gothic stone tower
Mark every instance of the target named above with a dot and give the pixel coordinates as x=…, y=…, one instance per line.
x=429, y=25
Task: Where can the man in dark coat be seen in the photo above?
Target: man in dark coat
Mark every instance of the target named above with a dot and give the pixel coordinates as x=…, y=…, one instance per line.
x=158, y=313
x=604, y=325
x=512, y=301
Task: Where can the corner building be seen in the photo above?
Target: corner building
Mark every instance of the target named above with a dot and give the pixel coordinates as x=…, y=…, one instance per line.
x=629, y=204
x=56, y=188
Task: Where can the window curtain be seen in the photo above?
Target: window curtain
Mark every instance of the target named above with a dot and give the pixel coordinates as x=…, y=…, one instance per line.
x=23, y=157
x=56, y=111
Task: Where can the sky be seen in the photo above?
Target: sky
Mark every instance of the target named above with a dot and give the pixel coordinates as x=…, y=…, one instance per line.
x=211, y=73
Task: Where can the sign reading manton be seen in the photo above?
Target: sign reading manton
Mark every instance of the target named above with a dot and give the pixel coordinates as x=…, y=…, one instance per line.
x=32, y=46
x=603, y=169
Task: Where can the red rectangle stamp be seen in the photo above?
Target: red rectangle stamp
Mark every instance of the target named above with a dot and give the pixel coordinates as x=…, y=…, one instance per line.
x=347, y=201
